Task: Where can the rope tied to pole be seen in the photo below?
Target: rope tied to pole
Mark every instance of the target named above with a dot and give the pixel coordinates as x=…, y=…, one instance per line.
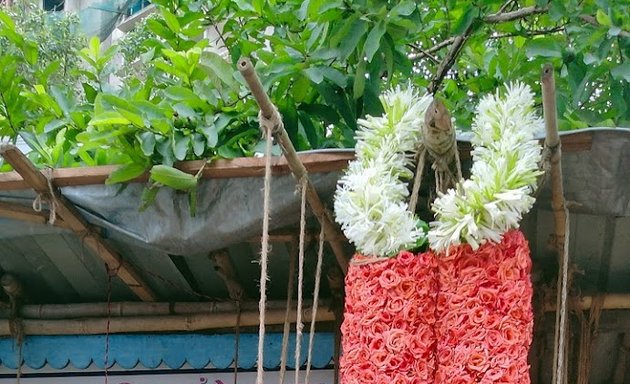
x=268, y=125
x=49, y=197
x=318, y=278
x=298, y=322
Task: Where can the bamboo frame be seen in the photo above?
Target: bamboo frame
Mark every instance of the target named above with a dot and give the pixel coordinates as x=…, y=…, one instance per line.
x=217, y=169
x=168, y=323
x=296, y=166
x=36, y=180
x=561, y=223
x=132, y=309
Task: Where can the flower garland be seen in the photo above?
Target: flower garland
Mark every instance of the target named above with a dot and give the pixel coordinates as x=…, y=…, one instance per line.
x=389, y=321
x=370, y=198
x=485, y=318
x=504, y=172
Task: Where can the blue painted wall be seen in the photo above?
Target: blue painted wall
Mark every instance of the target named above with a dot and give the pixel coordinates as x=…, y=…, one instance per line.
x=150, y=350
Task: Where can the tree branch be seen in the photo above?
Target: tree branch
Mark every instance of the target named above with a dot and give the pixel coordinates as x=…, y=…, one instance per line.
x=420, y=55
x=502, y=17
x=449, y=59
x=593, y=21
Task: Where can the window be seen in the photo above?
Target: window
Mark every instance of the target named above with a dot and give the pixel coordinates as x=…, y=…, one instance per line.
x=137, y=6
x=53, y=5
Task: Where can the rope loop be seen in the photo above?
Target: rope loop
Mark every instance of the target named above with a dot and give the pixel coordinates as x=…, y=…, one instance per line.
x=49, y=197
x=271, y=124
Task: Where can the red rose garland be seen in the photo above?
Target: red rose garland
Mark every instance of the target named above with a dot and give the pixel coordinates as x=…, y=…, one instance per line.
x=389, y=320
x=485, y=323
x=465, y=318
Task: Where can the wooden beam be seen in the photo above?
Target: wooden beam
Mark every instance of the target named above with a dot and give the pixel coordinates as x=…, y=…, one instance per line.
x=610, y=301
x=218, y=169
x=22, y=213
x=172, y=323
x=225, y=269
x=76, y=222
x=134, y=308
x=246, y=166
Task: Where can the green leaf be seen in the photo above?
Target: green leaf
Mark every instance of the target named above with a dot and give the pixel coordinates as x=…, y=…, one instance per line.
x=356, y=30
x=148, y=197
x=602, y=18
x=199, y=144
x=359, y=80
x=621, y=71
x=147, y=143
x=171, y=20
x=545, y=47
x=316, y=74
x=180, y=146
x=173, y=178
x=465, y=21
x=373, y=41
x=54, y=125
x=109, y=118
x=126, y=173
x=219, y=67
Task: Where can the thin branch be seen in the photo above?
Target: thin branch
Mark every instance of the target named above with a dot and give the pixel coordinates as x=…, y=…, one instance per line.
x=449, y=60
x=433, y=49
x=593, y=21
x=527, y=33
x=426, y=54
x=502, y=17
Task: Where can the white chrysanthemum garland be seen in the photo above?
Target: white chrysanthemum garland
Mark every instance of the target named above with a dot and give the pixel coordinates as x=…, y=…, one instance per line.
x=370, y=198
x=504, y=172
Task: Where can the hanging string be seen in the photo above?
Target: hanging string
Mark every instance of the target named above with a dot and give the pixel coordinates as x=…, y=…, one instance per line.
x=238, y=339
x=318, y=278
x=268, y=126
x=287, y=313
x=298, y=321
x=111, y=272
x=17, y=332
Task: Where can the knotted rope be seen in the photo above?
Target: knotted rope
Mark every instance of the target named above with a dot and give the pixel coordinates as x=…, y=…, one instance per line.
x=49, y=197
x=268, y=126
x=318, y=278
x=298, y=321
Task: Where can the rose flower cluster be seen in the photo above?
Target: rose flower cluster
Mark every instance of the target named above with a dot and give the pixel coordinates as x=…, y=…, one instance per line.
x=461, y=318
x=389, y=320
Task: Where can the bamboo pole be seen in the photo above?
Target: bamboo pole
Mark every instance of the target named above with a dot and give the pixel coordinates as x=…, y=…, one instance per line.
x=610, y=301
x=295, y=165
x=170, y=323
x=133, y=309
x=561, y=223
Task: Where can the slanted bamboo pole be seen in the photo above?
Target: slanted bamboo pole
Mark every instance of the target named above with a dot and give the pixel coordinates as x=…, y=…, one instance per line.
x=268, y=110
x=561, y=223
x=170, y=323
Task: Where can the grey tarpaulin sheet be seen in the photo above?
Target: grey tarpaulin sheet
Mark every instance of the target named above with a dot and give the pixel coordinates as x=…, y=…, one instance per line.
x=597, y=181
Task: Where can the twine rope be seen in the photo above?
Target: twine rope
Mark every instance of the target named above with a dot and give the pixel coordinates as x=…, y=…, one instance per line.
x=49, y=197
x=268, y=126
x=298, y=322
x=287, y=313
x=318, y=277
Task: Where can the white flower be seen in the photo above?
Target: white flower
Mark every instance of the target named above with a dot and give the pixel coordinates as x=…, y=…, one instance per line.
x=370, y=197
x=504, y=172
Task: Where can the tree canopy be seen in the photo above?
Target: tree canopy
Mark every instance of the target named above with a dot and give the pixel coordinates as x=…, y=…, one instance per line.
x=323, y=63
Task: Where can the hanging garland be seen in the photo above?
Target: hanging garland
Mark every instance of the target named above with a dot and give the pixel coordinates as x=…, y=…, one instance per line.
x=462, y=312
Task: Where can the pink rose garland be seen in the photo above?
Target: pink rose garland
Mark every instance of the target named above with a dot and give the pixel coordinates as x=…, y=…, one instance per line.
x=388, y=328
x=486, y=321
x=465, y=318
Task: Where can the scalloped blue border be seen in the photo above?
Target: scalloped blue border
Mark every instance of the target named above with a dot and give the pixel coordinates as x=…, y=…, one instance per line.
x=150, y=350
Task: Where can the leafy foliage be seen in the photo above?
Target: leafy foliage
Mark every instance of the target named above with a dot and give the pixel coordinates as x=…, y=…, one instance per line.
x=323, y=63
